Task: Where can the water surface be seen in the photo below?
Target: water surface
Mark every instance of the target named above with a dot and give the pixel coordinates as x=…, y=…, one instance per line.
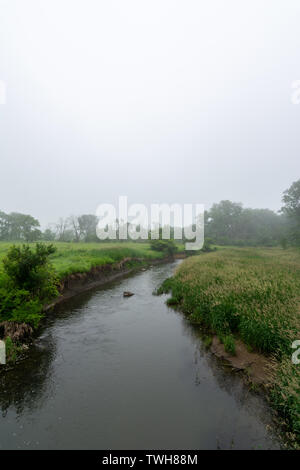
x=109, y=372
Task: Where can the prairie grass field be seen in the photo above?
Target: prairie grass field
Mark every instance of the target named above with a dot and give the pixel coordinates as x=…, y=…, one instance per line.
x=252, y=294
x=81, y=257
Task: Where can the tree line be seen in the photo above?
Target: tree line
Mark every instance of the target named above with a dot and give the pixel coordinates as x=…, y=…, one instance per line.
x=23, y=227
x=227, y=223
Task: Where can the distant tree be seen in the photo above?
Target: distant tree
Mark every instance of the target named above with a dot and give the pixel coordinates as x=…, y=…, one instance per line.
x=229, y=223
x=34, y=235
x=4, y=226
x=222, y=220
x=62, y=230
x=166, y=246
x=260, y=227
x=291, y=200
x=75, y=226
x=17, y=226
x=87, y=225
x=48, y=235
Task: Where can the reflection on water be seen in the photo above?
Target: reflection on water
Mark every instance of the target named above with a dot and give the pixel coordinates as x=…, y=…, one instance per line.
x=109, y=372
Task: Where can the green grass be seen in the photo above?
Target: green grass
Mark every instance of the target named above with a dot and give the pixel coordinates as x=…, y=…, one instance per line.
x=251, y=293
x=81, y=257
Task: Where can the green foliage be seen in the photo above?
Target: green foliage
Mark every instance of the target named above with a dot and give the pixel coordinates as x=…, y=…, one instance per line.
x=228, y=223
x=11, y=355
x=285, y=396
x=291, y=200
x=16, y=226
x=30, y=270
x=19, y=306
x=166, y=286
x=48, y=235
x=207, y=246
x=166, y=246
x=30, y=281
x=87, y=227
x=172, y=301
x=80, y=257
x=207, y=341
x=283, y=243
x=229, y=344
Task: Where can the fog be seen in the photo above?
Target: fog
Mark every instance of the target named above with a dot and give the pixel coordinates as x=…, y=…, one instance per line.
x=162, y=101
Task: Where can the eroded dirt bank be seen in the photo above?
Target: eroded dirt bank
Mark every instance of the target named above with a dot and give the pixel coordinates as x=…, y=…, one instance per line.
x=255, y=366
x=76, y=283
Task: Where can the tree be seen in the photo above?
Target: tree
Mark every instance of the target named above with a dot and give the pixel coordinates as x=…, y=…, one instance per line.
x=17, y=226
x=229, y=223
x=291, y=200
x=74, y=223
x=222, y=220
x=4, y=226
x=61, y=229
x=87, y=224
x=34, y=235
x=49, y=235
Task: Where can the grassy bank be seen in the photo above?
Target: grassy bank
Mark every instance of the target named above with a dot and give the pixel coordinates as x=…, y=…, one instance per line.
x=72, y=258
x=252, y=294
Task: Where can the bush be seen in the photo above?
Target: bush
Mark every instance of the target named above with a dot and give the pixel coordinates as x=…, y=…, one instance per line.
x=172, y=301
x=166, y=286
x=12, y=350
x=30, y=282
x=18, y=306
x=207, y=246
x=30, y=271
x=166, y=246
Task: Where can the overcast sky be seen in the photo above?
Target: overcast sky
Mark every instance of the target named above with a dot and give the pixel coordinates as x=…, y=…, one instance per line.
x=160, y=100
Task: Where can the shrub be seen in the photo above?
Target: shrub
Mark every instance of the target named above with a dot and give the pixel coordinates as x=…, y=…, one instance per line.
x=12, y=350
x=166, y=246
x=172, y=301
x=18, y=306
x=166, y=286
x=207, y=246
x=29, y=270
x=30, y=281
x=229, y=344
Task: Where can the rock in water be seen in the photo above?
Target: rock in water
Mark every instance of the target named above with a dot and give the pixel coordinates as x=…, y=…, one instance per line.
x=127, y=294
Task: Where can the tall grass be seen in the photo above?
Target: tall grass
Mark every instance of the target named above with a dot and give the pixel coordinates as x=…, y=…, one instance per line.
x=253, y=294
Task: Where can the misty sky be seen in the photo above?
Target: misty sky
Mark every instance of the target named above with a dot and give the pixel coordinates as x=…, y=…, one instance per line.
x=162, y=101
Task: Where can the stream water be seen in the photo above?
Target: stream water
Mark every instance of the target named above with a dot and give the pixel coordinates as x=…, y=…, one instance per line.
x=108, y=372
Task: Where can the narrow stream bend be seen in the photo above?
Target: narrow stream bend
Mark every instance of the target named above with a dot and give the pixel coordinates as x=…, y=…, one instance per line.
x=109, y=372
